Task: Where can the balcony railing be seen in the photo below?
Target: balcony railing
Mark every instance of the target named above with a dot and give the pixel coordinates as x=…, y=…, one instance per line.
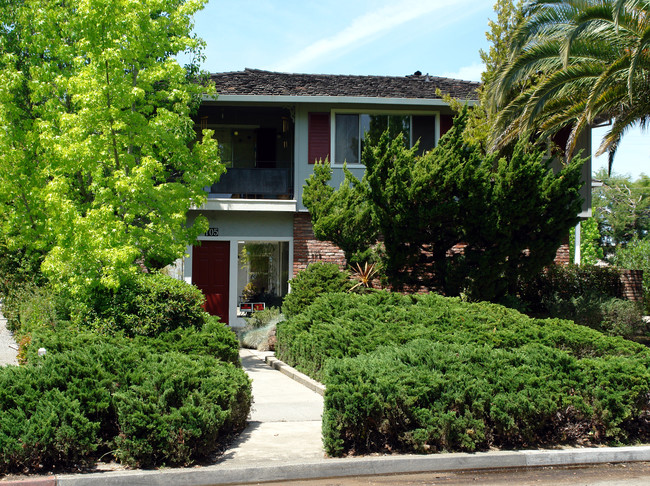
x=254, y=184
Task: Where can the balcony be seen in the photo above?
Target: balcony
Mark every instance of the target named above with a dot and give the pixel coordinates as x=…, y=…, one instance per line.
x=254, y=183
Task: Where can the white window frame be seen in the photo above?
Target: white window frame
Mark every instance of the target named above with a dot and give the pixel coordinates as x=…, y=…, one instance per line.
x=334, y=112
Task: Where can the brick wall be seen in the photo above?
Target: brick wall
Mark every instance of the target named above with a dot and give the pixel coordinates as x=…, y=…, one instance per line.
x=307, y=249
x=563, y=255
x=632, y=285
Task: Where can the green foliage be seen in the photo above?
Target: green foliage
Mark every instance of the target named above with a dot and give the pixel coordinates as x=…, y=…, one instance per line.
x=590, y=250
x=347, y=325
x=429, y=397
x=342, y=216
x=509, y=214
x=214, y=339
x=270, y=315
x=569, y=281
x=146, y=305
x=622, y=318
x=586, y=294
x=99, y=161
x=149, y=402
x=622, y=208
x=571, y=62
x=178, y=409
x=18, y=268
x=318, y=278
x=501, y=30
x=426, y=373
x=27, y=306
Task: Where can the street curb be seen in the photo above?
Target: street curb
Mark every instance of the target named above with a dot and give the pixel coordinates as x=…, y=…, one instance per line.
x=48, y=481
x=360, y=466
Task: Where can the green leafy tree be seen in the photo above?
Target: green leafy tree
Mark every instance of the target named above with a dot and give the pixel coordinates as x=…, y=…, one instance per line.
x=622, y=208
x=342, y=216
x=573, y=61
x=98, y=159
x=508, y=215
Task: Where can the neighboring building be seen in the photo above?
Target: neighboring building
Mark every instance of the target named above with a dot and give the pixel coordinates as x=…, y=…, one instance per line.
x=272, y=127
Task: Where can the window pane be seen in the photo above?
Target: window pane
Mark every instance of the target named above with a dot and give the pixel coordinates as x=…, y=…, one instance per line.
x=400, y=124
x=347, y=139
x=263, y=272
x=424, y=130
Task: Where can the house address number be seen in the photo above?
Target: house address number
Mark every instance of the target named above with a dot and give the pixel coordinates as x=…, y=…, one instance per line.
x=212, y=232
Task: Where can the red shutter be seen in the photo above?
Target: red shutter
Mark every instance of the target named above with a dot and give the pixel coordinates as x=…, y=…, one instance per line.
x=319, y=136
x=446, y=121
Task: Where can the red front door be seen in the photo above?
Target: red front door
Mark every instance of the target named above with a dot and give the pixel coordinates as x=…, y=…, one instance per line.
x=211, y=273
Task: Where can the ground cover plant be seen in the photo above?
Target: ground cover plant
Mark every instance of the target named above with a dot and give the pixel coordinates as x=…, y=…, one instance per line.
x=169, y=391
x=146, y=408
x=425, y=373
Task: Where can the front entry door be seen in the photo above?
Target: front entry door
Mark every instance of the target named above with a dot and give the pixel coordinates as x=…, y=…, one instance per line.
x=211, y=274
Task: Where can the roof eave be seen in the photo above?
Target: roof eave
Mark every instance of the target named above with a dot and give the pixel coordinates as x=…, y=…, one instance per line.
x=331, y=100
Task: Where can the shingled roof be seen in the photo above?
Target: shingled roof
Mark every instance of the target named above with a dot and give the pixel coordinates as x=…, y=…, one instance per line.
x=268, y=83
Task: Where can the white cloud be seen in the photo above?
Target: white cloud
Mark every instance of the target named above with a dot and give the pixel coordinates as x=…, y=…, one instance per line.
x=468, y=73
x=363, y=29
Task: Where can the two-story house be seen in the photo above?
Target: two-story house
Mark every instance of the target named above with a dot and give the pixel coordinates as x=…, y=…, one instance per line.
x=272, y=127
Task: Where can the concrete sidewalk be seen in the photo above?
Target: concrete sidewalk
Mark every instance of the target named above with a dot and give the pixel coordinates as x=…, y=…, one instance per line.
x=8, y=346
x=285, y=421
x=283, y=442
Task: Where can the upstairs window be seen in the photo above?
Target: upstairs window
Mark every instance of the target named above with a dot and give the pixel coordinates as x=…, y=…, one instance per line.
x=352, y=131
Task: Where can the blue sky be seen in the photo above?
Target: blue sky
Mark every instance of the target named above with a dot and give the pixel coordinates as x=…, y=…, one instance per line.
x=366, y=37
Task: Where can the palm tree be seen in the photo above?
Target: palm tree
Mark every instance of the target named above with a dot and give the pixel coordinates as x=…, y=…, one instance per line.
x=573, y=62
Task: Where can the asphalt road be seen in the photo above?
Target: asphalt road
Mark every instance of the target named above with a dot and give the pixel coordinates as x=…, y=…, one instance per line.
x=630, y=474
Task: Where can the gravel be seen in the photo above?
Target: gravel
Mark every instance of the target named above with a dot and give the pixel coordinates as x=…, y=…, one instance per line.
x=8, y=346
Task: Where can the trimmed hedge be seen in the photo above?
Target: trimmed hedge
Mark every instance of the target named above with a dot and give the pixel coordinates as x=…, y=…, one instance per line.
x=214, y=339
x=425, y=373
x=430, y=397
x=140, y=399
x=346, y=325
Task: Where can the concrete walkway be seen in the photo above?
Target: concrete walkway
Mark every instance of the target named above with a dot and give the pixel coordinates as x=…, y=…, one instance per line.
x=8, y=346
x=285, y=420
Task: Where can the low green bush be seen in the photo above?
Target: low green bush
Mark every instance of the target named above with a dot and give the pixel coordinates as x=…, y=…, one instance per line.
x=428, y=397
x=87, y=397
x=346, y=325
x=588, y=295
x=622, y=318
x=318, y=278
x=179, y=409
x=569, y=281
x=214, y=339
x=148, y=305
